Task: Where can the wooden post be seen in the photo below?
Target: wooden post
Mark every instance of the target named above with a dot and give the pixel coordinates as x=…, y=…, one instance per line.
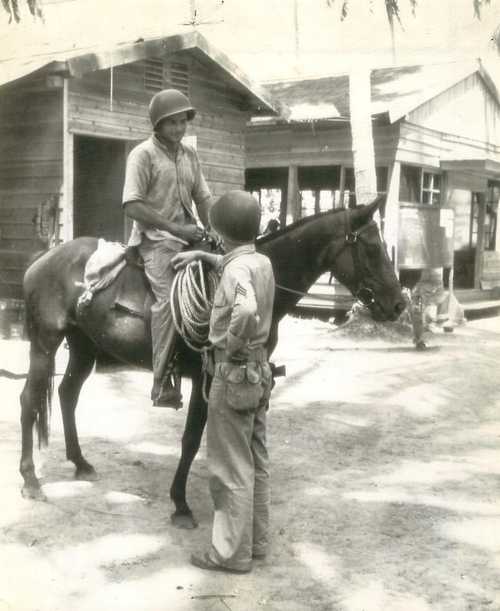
x=292, y=208
x=340, y=203
x=479, y=259
x=362, y=135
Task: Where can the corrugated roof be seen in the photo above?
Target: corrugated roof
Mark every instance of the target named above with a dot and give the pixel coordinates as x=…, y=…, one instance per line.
x=77, y=62
x=395, y=91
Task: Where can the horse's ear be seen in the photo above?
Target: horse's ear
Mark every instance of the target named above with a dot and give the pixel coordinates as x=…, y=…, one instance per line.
x=364, y=214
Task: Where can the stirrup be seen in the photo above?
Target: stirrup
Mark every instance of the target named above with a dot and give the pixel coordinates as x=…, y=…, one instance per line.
x=169, y=394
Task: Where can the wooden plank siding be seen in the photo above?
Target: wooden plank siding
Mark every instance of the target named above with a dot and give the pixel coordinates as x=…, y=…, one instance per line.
x=218, y=126
x=424, y=146
x=30, y=172
x=305, y=145
x=467, y=109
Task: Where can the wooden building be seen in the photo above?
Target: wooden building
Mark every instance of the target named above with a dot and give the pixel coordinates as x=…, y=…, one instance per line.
x=436, y=135
x=68, y=121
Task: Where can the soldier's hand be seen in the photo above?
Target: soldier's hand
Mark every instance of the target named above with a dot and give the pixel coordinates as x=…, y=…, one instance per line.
x=191, y=233
x=181, y=259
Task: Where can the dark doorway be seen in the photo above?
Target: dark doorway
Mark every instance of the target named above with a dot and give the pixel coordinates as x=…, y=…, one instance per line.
x=99, y=170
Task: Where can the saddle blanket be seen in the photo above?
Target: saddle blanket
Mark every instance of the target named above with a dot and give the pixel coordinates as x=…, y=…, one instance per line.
x=103, y=266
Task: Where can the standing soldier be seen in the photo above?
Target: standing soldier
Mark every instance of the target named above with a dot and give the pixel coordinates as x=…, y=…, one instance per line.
x=163, y=177
x=236, y=430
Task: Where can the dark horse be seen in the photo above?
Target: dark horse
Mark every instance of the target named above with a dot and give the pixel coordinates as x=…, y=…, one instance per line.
x=344, y=242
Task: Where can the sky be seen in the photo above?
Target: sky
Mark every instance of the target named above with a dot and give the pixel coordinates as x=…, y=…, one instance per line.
x=270, y=39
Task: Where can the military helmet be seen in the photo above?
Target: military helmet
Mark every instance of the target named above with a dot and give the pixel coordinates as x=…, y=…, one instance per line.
x=169, y=102
x=236, y=216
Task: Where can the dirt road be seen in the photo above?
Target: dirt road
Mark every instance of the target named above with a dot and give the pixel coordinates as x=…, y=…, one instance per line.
x=386, y=496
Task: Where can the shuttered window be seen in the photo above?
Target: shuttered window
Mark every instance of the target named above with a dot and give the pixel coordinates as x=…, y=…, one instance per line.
x=160, y=75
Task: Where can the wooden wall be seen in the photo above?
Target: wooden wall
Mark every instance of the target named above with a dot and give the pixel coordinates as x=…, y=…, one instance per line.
x=467, y=109
x=218, y=127
x=30, y=172
x=312, y=144
x=426, y=147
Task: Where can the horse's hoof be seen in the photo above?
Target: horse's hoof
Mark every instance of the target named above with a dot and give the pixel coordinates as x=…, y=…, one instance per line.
x=86, y=474
x=33, y=493
x=185, y=521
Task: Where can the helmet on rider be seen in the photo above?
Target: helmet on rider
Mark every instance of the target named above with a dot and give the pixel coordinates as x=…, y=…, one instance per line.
x=236, y=216
x=167, y=103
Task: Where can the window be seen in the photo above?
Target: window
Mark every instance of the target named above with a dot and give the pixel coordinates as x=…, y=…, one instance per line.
x=490, y=221
x=419, y=186
x=474, y=220
x=431, y=188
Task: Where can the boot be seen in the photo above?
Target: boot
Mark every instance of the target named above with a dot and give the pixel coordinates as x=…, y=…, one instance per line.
x=167, y=392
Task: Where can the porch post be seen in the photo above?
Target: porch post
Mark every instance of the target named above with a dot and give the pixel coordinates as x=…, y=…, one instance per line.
x=479, y=259
x=362, y=135
x=292, y=206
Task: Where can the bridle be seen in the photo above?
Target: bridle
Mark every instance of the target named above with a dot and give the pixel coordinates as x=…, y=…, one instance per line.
x=364, y=294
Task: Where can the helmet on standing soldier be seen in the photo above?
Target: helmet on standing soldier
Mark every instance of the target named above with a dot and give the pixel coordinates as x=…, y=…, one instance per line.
x=236, y=216
x=169, y=102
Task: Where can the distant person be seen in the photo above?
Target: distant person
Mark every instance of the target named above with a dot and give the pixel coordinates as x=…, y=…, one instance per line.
x=272, y=227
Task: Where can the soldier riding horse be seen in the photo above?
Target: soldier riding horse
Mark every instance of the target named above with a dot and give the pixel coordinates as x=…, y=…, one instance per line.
x=344, y=242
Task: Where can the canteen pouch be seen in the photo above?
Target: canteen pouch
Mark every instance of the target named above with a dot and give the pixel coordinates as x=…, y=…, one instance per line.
x=247, y=386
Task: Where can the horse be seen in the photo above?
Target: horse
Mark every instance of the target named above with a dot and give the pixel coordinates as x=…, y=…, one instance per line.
x=345, y=242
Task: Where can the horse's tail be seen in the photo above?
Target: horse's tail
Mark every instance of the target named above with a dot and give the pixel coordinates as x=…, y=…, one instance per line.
x=39, y=391
x=44, y=408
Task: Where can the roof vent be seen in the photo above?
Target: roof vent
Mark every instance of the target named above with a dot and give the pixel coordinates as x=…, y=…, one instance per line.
x=153, y=75
x=159, y=75
x=177, y=76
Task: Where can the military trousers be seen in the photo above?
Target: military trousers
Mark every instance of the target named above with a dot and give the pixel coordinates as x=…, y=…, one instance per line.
x=157, y=255
x=238, y=465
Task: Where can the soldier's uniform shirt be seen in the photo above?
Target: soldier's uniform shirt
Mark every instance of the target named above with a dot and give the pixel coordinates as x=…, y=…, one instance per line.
x=243, y=303
x=167, y=183
x=238, y=462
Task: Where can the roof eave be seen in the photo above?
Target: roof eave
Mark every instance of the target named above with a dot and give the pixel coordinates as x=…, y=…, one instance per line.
x=192, y=41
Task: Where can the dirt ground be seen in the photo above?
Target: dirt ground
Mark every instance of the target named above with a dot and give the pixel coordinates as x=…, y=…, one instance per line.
x=386, y=496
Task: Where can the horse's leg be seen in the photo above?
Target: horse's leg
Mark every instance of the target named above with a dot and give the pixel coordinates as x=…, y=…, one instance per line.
x=193, y=431
x=35, y=402
x=81, y=361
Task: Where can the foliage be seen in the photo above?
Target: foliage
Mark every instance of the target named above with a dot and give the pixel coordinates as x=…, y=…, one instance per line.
x=12, y=9
x=392, y=8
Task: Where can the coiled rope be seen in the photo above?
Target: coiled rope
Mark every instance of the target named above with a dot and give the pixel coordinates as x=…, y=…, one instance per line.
x=191, y=299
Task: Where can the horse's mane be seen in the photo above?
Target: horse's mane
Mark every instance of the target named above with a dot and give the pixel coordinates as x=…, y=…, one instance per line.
x=303, y=221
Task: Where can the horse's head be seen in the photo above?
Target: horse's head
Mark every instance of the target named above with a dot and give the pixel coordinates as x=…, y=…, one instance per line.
x=362, y=265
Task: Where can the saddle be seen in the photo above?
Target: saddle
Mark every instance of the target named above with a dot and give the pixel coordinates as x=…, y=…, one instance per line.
x=122, y=270
x=133, y=292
